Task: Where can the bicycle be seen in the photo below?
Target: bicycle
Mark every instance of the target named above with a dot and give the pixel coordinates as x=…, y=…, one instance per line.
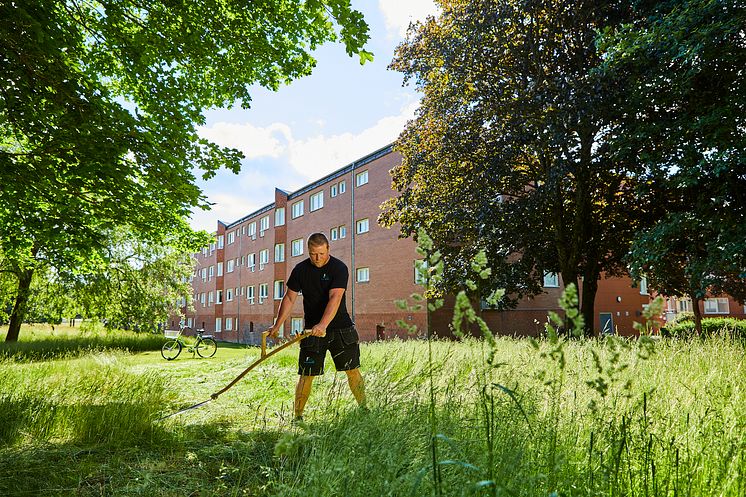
x=205, y=346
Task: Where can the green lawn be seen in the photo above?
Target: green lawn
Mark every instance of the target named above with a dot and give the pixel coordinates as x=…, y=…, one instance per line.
x=590, y=418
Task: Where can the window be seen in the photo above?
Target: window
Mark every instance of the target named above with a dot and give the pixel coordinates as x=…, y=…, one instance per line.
x=363, y=226
x=279, y=289
x=716, y=306
x=551, y=280
x=228, y=324
x=684, y=305
x=220, y=243
x=250, y=294
x=334, y=234
x=219, y=296
x=220, y=269
x=189, y=322
x=231, y=237
x=263, y=292
x=252, y=262
x=361, y=178
x=212, y=272
x=297, y=209
x=212, y=246
x=279, y=252
x=333, y=192
x=230, y=266
x=210, y=298
x=317, y=201
x=343, y=231
x=342, y=187
x=363, y=274
x=229, y=295
x=218, y=325
x=204, y=274
x=252, y=230
x=243, y=260
x=202, y=298
x=238, y=261
x=263, y=259
x=644, y=286
x=420, y=272
x=204, y=251
x=264, y=226
x=296, y=247
x=296, y=326
x=280, y=216
x=239, y=291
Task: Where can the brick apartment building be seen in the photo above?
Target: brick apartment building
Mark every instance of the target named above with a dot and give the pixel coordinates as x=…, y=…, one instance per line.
x=239, y=280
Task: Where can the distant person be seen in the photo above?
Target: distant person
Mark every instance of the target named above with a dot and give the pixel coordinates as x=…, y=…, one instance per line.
x=322, y=279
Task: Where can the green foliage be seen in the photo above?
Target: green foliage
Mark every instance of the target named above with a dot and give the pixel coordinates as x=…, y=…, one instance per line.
x=509, y=153
x=732, y=327
x=100, y=107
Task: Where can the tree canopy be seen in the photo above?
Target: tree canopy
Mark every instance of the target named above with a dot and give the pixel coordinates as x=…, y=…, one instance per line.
x=99, y=104
x=510, y=149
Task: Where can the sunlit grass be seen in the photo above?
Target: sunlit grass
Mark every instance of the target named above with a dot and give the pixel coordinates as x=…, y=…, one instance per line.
x=671, y=423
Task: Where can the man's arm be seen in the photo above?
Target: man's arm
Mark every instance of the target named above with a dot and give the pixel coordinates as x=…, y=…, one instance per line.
x=283, y=312
x=335, y=298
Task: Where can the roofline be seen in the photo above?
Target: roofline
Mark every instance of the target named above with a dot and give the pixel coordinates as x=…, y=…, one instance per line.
x=387, y=149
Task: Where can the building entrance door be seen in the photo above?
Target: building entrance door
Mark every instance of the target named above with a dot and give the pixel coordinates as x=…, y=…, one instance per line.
x=607, y=323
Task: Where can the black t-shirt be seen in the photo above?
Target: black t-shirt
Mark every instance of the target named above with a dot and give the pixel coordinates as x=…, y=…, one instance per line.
x=315, y=283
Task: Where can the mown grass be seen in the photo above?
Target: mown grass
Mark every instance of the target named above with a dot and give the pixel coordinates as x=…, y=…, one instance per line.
x=616, y=419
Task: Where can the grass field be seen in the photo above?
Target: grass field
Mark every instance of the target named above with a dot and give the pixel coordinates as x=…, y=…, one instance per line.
x=584, y=418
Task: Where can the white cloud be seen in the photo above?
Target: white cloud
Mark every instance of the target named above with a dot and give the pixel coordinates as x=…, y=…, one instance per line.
x=227, y=208
x=253, y=141
x=399, y=13
x=315, y=157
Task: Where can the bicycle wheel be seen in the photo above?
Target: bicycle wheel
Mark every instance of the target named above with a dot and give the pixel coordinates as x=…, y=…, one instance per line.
x=171, y=350
x=207, y=347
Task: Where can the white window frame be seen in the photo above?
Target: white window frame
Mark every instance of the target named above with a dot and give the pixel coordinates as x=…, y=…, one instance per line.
x=361, y=178
x=342, y=187
x=218, y=325
x=221, y=242
x=230, y=266
x=280, y=216
x=231, y=237
x=316, y=201
x=644, y=286
x=211, y=273
x=296, y=247
x=252, y=261
x=718, y=308
x=296, y=325
x=334, y=234
x=202, y=298
x=333, y=191
x=297, y=209
x=203, y=273
x=343, y=231
x=263, y=259
x=228, y=324
x=551, y=280
x=279, y=252
x=250, y=294
x=210, y=298
x=279, y=289
x=252, y=230
x=218, y=296
x=362, y=226
x=229, y=295
x=264, y=225
x=362, y=275
x=220, y=269
x=263, y=292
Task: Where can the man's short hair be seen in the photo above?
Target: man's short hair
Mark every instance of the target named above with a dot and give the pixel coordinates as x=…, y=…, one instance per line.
x=317, y=240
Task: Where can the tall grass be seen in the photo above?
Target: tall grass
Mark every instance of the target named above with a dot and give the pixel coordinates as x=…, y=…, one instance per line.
x=623, y=420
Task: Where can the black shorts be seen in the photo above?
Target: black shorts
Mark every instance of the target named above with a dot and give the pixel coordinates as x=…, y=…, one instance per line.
x=342, y=343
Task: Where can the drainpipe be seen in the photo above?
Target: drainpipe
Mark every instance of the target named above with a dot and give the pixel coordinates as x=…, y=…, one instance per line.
x=353, y=233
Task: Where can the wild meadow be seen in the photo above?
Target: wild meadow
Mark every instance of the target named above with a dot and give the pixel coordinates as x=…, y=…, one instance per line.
x=611, y=417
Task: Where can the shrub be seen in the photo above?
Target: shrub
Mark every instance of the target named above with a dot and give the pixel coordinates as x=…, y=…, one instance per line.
x=732, y=327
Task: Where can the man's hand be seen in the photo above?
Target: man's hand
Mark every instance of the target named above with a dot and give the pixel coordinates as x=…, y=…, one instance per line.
x=319, y=330
x=273, y=331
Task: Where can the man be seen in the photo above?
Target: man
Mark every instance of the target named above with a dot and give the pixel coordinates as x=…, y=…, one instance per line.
x=322, y=279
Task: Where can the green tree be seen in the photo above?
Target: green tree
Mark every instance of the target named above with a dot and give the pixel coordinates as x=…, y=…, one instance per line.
x=685, y=126
x=99, y=104
x=510, y=149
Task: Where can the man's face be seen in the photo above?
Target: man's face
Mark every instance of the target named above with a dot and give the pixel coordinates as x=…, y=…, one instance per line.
x=319, y=254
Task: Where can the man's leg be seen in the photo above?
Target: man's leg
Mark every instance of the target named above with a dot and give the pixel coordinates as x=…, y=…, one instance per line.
x=302, y=392
x=357, y=385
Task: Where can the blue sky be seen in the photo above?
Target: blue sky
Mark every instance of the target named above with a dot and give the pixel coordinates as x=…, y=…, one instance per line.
x=317, y=124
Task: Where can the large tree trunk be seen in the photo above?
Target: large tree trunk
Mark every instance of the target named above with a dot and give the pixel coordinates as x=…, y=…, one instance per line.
x=697, y=315
x=588, y=303
x=21, y=304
